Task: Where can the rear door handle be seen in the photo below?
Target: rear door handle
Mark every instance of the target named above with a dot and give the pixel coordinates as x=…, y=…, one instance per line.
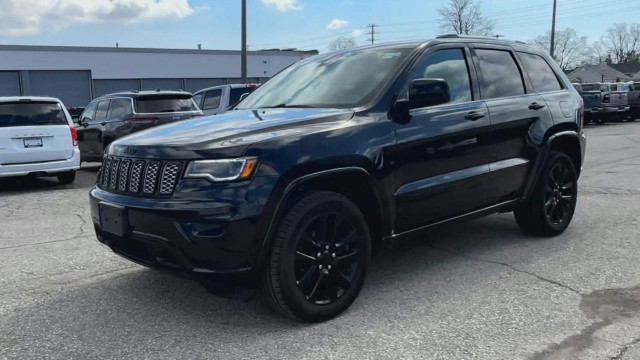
x=103, y=123
x=536, y=106
x=474, y=115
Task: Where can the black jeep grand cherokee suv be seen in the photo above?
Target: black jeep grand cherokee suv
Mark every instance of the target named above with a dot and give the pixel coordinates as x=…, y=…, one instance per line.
x=339, y=153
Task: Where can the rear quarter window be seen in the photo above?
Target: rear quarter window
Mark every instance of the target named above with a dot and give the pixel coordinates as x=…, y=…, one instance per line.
x=164, y=104
x=542, y=76
x=31, y=114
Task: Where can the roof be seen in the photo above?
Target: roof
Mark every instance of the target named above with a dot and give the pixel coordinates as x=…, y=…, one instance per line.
x=29, y=98
x=273, y=52
x=600, y=70
x=233, y=86
x=135, y=93
x=631, y=68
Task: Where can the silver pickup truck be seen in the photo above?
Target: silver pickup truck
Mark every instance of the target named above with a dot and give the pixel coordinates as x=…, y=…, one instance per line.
x=614, y=102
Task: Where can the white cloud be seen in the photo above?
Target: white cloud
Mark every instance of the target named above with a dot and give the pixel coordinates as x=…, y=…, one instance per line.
x=283, y=5
x=337, y=24
x=28, y=17
x=357, y=32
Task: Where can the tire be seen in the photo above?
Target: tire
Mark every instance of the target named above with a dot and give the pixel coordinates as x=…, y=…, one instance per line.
x=312, y=274
x=551, y=206
x=599, y=121
x=67, y=178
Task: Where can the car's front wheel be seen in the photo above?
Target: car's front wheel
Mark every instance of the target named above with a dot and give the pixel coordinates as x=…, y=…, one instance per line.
x=319, y=258
x=550, y=208
x=66, y=178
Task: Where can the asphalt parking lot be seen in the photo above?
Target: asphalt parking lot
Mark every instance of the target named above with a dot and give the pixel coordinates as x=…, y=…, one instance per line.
x=481, y=290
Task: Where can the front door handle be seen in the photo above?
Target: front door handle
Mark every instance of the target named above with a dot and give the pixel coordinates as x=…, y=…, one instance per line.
x=103, y=123
x=536, y=106
x=474, y=115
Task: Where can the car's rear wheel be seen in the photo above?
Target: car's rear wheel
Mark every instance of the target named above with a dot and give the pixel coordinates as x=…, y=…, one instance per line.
x=319, y=258
x=66, y=178
x=551, y=206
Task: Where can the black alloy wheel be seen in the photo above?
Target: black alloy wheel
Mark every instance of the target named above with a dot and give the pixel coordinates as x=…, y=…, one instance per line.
x=550, y=207
x=319, y=258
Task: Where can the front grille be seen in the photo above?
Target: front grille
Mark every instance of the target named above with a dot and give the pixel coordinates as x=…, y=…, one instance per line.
x=137, y=176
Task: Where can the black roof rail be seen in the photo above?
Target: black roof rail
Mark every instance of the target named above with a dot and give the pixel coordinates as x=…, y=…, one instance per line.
x=457, y=36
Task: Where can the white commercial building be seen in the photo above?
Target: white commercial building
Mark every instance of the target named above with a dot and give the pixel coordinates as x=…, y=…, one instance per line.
x=78, y=74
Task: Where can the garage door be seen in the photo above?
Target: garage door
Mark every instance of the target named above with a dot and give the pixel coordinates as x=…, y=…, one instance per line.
x=162, y=84
x=194, y=85
x=9, y=83
x=110, y=86
x=72, y=87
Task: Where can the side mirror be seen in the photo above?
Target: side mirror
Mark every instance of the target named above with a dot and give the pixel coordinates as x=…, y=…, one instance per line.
x=423, y=93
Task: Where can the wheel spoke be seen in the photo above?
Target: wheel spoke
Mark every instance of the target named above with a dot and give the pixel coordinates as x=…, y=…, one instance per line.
x=307, y=275
x=548, y=188
x=349, y=238
x=567, y=186
x=341, y=280
x=348, y=258
x=308, y=239
x=314, y=291
x=566, y=197
x=547, y=204
x=304, y=256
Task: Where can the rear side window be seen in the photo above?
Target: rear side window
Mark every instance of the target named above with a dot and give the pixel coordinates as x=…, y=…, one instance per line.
x=198, y=99
x=101, y=110
x=235, y=95
x=89, y=112
x=542, y=76
x=590, y=87
x=501, y=76
x=164, y=104
x=212, y=99
x=450, y=65
x=119, y=108
x=31, y=114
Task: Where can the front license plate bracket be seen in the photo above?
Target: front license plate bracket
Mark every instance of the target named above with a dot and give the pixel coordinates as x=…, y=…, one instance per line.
x=113, y=219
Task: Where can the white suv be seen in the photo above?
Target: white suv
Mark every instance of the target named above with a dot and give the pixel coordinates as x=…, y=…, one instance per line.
x=37, y=137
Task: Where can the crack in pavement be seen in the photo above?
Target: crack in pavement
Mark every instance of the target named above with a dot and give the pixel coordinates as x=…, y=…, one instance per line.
x=550, y=281
x=625, y=348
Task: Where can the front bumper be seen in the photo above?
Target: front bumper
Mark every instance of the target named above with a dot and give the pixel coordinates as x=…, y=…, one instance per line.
x=202, y=229
x=47, y=167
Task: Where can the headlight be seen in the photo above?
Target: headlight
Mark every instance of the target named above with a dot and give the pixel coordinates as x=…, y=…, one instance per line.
x=222, y=170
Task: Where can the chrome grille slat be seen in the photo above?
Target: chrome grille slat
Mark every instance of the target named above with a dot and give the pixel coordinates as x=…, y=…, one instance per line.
x=113, y=178
x=106, y=170
x=124, y=175
x=137, y=176
x=151, y=177
x=169, y=177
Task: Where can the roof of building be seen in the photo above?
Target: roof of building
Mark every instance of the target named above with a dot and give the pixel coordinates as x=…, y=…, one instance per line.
x=630, y=68
x=151, y=50
x=600, y=70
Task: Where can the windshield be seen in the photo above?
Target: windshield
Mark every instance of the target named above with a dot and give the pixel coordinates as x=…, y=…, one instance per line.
x=31, y=114
x=340, y=80
x=160, y=104
x=590, y=87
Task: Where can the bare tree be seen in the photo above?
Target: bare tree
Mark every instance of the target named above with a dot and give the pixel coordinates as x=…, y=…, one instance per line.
x=597, y=53
x=341, y=43
x=569, y=50
x=622, y=42
x=465, y=18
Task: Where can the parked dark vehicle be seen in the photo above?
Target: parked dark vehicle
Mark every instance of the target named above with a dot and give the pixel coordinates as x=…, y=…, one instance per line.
x=339, y=154
x=113, y=116
x=592, y=97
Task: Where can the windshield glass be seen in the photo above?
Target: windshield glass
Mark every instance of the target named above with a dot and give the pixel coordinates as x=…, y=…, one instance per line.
x=340, y=80
x=590, y=87
x=31, y=114
x=160, y=104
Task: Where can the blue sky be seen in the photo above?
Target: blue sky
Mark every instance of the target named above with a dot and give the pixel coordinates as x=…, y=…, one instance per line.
x=285, y=23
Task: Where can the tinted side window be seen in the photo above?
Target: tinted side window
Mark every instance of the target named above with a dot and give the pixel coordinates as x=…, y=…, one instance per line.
x=198, y=99
x=212, y=99
x=101, y=111
x=614, y=87
x=89, y=112
x=120, y=108
x=500, y=74
x=234, y=96
x=542, y=76
x=451, y=66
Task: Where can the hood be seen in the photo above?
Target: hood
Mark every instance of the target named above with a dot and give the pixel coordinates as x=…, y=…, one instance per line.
x=228, y=133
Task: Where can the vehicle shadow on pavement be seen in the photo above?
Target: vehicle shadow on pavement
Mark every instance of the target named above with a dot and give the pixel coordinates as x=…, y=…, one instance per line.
x=28, y=184
x=155, y=311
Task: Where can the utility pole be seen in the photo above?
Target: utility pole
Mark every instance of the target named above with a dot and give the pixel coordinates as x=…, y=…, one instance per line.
x=372, y=32
x=244, y=42
x=553, y=29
